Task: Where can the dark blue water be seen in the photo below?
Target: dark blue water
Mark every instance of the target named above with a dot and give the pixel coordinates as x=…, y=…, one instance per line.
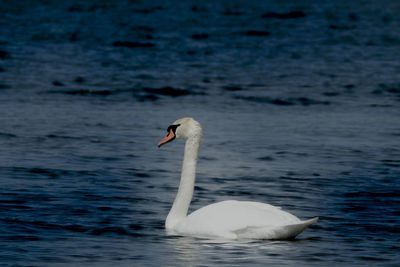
x=299, y=102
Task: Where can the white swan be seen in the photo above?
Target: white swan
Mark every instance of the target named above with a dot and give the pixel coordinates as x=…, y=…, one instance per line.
x=227, y=219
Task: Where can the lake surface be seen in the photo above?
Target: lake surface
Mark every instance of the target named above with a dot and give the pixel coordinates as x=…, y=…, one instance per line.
x=300, y=108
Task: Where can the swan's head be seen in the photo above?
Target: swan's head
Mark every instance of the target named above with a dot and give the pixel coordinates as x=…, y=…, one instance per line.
x=184, y=128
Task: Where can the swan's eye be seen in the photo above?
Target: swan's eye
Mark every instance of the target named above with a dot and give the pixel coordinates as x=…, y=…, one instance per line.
x=173, y=127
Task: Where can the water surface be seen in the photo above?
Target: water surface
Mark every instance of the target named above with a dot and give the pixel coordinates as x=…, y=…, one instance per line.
x=299, y=104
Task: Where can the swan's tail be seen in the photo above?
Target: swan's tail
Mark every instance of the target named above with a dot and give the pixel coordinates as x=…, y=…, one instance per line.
x=275, y=232
x=292, y=230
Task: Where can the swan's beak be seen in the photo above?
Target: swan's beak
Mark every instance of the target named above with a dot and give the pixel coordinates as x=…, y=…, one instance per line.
x=170, y=136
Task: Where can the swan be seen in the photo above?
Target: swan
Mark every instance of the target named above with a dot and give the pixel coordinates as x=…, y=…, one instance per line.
x=228, y=219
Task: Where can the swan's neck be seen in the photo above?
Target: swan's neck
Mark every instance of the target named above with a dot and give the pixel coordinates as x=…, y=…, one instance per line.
x=185, y=192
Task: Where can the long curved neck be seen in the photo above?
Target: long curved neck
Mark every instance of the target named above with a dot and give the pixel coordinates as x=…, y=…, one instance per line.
x=185, y=192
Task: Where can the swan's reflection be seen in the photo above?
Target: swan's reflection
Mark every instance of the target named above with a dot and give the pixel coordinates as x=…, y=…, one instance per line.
x=191, y=251
x=187, y=251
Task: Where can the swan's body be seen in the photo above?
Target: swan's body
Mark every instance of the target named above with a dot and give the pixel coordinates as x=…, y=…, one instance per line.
x=227, y=219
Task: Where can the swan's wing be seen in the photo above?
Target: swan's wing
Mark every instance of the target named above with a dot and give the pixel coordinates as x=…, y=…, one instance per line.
x=274, y=232
x=227, y=218
x=246, y=213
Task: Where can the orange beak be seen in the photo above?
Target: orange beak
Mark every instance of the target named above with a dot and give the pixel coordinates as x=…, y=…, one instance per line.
x=170, y=136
